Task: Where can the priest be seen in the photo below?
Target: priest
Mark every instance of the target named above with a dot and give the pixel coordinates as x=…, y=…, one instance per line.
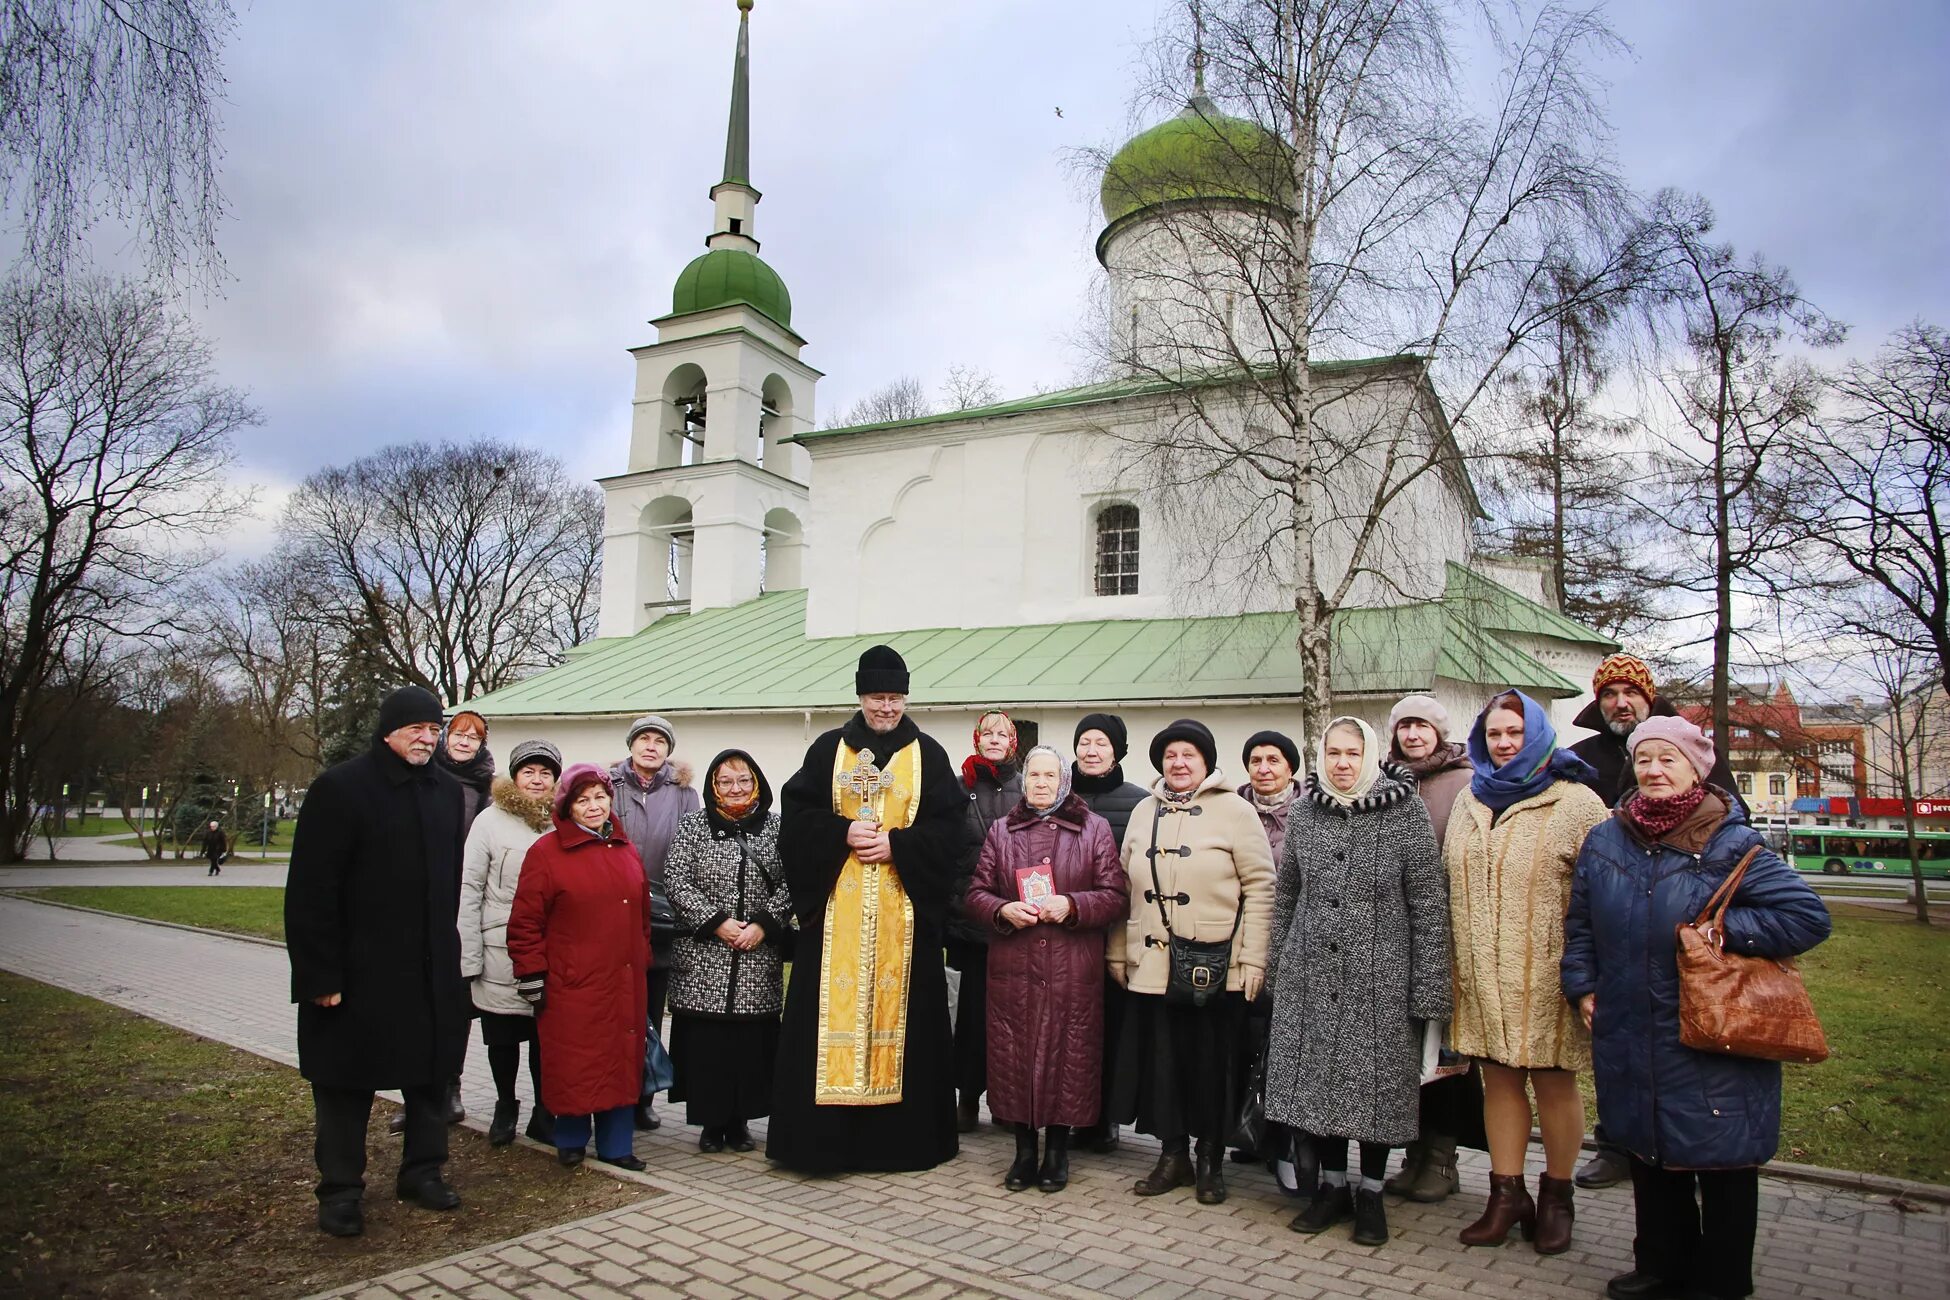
x=873, y=833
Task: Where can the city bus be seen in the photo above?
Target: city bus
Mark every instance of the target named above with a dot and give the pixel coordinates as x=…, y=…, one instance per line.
x=1845, y=851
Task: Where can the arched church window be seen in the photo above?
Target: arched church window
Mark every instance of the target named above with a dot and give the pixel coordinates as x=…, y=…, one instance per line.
x=1117, y=550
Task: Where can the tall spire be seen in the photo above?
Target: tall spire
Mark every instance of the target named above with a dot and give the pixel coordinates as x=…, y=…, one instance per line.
x=1198, y=51
x=738, y=137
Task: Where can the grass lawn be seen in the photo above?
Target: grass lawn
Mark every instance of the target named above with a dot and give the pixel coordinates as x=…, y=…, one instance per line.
x=183, y=1168
x=1881, y=985
x=243, y=847
x=241, y=909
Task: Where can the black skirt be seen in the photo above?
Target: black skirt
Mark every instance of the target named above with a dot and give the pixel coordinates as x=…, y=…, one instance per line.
x=501, y=1030
x=1178, y=1072
x=723, y=1067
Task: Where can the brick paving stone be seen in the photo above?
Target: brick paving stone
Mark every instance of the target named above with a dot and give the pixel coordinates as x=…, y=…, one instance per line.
x=726, y=1226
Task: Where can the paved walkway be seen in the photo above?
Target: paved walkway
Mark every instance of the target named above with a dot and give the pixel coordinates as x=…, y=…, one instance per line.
x=156, y=873
x=730, y=1225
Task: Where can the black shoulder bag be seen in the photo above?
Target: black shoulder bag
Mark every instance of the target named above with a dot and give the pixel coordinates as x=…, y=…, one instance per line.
x=1197, y=970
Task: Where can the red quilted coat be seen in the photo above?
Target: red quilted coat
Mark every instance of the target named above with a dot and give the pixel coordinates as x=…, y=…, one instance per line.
x=1046, y=982
x=582, y=918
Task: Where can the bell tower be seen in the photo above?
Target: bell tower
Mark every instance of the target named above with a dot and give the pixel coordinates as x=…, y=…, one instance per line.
x=710, y=510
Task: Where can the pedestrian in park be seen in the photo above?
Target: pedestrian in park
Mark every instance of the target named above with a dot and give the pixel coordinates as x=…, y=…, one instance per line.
x=1049, y=886
x=653, y=791
x=727, y=887
x=1451, y=1107
x=1696, y=1125
x=370, y=921
x=1512, y=842
x=1097, y=778
x=1272, y=763
x=579, y=940
x=1200, y=870
x=216, y=848
x=994, y=787
x=1623, y=696
x=497, y=844
x=874, y=836
x=1360, y=958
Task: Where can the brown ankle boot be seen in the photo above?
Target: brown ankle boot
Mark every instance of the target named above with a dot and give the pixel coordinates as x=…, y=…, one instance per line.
x=1554, y=1214
x=1510, y=1207
x=1174, y=1169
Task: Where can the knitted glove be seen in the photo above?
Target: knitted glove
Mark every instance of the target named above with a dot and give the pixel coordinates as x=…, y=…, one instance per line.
x=531, y=989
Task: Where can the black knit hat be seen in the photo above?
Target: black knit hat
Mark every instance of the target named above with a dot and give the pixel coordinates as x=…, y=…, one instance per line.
x=1186, y=729
x=1278, y=740
x=406, y=706
x=882, y=672
x=1113, y=728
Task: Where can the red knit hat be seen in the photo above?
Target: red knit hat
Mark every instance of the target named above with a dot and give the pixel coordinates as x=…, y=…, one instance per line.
x=1627, y=670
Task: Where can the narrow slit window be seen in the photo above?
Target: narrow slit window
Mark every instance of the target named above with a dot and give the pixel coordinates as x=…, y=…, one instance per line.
x=1117, y=551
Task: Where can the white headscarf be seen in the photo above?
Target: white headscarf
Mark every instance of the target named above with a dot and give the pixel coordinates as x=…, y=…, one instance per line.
x=1063, y=779
x=1370, y=762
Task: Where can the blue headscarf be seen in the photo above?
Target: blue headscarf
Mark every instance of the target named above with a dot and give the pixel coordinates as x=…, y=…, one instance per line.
x=1539, y=763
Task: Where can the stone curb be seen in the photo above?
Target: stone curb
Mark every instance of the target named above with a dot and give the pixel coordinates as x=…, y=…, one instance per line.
x=1849, y=1180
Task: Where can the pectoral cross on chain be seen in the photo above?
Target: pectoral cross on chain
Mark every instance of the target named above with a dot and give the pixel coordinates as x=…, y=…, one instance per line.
x=869, y=783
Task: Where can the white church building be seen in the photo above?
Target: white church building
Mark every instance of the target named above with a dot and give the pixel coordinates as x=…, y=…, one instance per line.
x=1012, y=553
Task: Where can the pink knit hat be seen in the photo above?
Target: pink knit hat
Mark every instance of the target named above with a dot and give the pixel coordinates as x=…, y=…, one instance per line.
x=1689, y=739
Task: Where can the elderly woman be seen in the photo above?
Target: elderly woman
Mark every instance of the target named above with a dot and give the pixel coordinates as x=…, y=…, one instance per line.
x=1049, y=885
x=1512, y=842
x=490, y=872
x=727, y=887
x=1696, y=1124
x=1360, y=959
x=1452, y=1108
x=994, y=787
x=1097, y=777
x=1197, y=859
x=579, y=939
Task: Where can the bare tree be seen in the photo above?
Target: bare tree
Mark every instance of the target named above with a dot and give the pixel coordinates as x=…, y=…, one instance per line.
x=472, y=565
x=1872, y=486
x=967, y=387
x=904, y=399
x=1364, y=212
x=1568, y=476
x=1736, y=402
x=114, y=443
x=108, y=110
x=281, y=659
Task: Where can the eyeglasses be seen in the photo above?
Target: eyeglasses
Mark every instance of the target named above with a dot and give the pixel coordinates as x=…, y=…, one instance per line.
x=735, y=783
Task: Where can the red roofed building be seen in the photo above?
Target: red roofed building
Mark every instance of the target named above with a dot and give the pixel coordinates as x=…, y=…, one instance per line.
x=1778, y=754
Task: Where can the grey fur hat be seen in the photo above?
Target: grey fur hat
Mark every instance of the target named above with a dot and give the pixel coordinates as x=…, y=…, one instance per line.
x=530, y=751
x=651, y=722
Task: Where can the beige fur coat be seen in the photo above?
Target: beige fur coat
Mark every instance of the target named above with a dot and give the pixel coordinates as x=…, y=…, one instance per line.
x=1509, y=888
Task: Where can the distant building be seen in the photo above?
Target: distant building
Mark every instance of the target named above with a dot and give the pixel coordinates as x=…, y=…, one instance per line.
x=1787, y=757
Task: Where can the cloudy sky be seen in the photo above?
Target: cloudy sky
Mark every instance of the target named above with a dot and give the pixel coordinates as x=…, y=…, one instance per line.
x=451, y=219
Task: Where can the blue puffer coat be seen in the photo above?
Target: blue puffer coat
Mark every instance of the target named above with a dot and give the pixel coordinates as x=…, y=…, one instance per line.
x=1657, y=1098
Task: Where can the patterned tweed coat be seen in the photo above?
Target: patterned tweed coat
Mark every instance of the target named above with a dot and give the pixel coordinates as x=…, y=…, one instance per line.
x=1360, y=956
x=1509, y=888
x=715, y=874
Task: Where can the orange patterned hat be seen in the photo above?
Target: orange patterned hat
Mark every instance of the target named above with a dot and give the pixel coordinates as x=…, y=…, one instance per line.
x=1629, y=670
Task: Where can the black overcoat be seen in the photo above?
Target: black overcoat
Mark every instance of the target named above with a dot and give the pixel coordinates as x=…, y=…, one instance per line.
x=918, y=1132
x=370, y=908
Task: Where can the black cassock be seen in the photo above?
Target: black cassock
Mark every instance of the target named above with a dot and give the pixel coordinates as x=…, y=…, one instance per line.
x=918, y=1131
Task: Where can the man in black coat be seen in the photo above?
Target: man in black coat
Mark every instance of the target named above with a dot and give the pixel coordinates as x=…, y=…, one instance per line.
x=370, y=907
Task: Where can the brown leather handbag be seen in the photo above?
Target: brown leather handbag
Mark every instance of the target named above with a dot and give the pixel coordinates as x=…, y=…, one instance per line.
x=1732, y=1005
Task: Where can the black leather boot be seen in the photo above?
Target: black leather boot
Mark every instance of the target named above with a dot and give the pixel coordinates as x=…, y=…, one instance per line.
x=1174, y=1169
x=1055, y=1173
x=1023, y=1171
x=1211, y=1175
x=541, y=1125
x=1370, y=1219
x=502, y=1131
x=1329, y=1205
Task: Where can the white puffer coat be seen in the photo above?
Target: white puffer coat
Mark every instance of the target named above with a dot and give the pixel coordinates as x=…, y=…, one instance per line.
x=489, y=871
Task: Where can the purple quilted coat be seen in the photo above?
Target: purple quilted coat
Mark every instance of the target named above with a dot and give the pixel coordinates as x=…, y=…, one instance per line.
x=1046, y=982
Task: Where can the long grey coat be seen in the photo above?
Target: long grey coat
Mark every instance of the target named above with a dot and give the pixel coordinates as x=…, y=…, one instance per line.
x=1360, y=957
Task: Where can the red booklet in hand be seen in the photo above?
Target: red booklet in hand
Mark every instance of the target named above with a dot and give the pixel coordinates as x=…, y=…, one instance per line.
x=1035, y=883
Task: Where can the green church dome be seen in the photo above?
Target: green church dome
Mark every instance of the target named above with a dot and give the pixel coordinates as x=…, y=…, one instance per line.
x=730, y=275
x=1199, y=154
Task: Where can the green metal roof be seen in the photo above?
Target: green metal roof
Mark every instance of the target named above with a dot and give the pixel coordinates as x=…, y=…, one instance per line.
x=730, y=275
x=1199, y=154
x=1109, y=391
x=757, y=656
